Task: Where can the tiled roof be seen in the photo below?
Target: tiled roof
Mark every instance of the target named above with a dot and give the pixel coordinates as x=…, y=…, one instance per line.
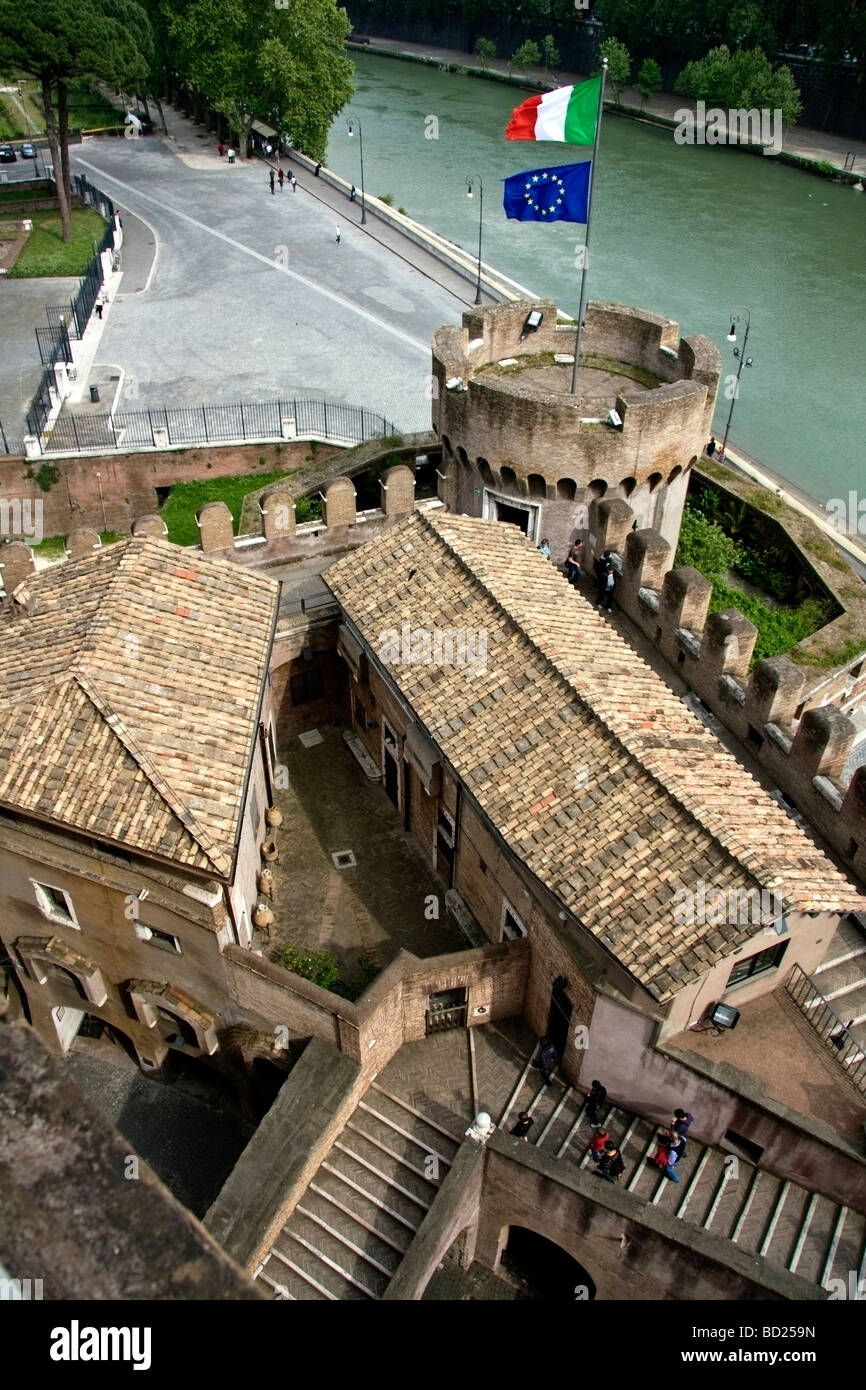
x=590, y=767
x=128, y=698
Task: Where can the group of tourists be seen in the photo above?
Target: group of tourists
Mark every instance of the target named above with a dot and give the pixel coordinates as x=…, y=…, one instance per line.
x=605, y=574
x=609, y=1165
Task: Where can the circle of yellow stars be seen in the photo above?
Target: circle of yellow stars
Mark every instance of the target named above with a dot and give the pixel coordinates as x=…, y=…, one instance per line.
x=549, y=182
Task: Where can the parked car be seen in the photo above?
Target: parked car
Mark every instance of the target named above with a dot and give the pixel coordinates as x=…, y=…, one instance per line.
x=27, y=150
x=7, y=155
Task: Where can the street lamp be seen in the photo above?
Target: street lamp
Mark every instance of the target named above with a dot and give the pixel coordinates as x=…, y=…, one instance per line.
x=470, y=180
x=351, y=124
x=740, y=315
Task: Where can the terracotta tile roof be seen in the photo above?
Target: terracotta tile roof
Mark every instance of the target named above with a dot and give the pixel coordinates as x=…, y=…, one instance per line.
x=128, y=698
x=595, y=773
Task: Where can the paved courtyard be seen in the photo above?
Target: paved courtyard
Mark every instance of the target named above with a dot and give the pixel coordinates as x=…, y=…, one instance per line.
x=365, y=913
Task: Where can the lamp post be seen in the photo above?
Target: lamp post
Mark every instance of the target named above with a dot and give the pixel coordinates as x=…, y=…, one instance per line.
x=740, y=315
x=351, y=124
x=470, y=180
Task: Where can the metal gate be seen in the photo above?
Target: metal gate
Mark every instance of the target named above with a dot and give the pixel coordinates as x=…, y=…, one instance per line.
x=446, y=1010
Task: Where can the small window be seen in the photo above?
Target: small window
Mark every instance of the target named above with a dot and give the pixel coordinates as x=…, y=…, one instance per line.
x=755, y=737
x=163, y=939
x=758, y=964
x=55, y=904
x=306, y=686
x=482, y=866
x=445, y=827
x=254, y=811
x=511, y=927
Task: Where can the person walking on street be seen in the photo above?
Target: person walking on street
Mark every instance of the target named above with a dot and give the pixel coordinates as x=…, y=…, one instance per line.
x=352, y=194
x=339, y=234
x=282, y=178
x=523, y=1126
x=596, y=1096
x=317, y=168
x=231, y=154
x=222, y=149
x=294, y=184
x=610, y=1165
x=271, y=180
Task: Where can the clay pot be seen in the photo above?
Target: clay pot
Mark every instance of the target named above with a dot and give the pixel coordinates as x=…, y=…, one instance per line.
x=262, y=916
x=274, y=815
x=269, y=851
x=266, y=883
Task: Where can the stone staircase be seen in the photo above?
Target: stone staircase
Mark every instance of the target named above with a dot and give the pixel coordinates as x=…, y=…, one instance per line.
x=357, y=1218
x=800, y=1231
x=841, y=977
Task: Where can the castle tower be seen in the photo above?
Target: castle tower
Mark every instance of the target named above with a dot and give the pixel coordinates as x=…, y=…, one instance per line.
x=519, y=447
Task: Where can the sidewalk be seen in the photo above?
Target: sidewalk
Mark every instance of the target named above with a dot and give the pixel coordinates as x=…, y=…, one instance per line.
x=799, y=140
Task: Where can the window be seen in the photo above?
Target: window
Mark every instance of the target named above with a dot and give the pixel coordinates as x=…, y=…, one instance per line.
x=254, y=811
x=55, y=904
x=511, y=926
x=758, y=964
x=163, y=939
x=306, y=686
x=445, y=827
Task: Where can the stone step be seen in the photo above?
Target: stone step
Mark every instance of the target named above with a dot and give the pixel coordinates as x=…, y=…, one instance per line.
x=333, y=1261
x=368, y=1209
x=417, y=1146
x=285, y=1276
x=365, y=1245
x=365, y=1223
x=350, y=1167
x=405, y=1114
x=377, y=1159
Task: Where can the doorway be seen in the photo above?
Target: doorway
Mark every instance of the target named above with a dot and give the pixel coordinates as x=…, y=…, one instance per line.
x=389, y=763
x=559, y=1017
x=544, y=1269
x=509, y=509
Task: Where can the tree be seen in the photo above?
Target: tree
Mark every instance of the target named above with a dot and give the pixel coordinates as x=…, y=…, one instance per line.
x=550, y=51
x=528, y=55
x=741, y=81
x=618, y=65
x=649, y=79
x=486, y=50
x=58, y=42
x=254, y=60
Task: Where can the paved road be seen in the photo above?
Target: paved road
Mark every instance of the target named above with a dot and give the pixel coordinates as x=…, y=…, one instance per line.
x=253, y=299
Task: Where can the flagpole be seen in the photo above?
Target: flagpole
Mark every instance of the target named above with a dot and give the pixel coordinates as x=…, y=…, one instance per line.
x=588, y=218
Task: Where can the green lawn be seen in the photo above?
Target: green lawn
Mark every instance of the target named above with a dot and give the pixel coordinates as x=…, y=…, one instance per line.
x=87, y=109
x=44, y=252
x=10, y=121
x=53, y=546
x=184, y=500
x=17, y=192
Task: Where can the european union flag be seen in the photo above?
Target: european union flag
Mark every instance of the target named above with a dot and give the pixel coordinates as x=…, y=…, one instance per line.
x=560, y=194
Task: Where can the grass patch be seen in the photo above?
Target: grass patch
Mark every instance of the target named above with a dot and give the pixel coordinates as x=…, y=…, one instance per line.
x=626, y=369
x=20, y=192
x=53, y=546
x=178, y=511
x=89, y=108
x=10, y=122
x=45, y=253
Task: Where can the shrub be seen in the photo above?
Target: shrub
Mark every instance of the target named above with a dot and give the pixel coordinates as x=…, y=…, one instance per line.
x=317, y=966
x=704, y=545
x=486, y=49
x=47, y=476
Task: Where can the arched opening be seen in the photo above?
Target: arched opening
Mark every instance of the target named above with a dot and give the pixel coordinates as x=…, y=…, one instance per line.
x=486, y=472
x=509, y=477
x=446, y=444
x=674, y=474
x=566, y=489
x=268, y=1079
x=462, y=456
x=597, y=488
x=544, y=1270
x=653, y=481
x=627, y=486
x=176, y=1031
x=691, y=463
x=536, y=485
x=55, y=974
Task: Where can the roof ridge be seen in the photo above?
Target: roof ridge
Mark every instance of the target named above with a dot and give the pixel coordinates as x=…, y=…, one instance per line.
x=701, y=816
x=204, y=841
x=118, y=552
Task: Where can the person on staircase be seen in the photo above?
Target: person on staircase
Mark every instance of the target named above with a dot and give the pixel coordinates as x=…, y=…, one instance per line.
x=596, y=1096
x=610, y=1166
x=547, y=1060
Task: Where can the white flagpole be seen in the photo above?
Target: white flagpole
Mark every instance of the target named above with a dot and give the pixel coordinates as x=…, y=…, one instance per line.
x=586, y=238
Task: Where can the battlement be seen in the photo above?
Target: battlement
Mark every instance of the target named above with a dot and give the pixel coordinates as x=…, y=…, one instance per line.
x=773, y=708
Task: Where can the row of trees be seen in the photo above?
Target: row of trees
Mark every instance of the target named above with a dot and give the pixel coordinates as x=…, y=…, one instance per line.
x=279, y=61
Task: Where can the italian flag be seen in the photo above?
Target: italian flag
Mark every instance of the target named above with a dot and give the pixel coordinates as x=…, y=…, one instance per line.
x=567, y=114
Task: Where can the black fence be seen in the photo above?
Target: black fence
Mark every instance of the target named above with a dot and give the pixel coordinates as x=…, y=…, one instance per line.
x=827, y=1024
x=255, y=422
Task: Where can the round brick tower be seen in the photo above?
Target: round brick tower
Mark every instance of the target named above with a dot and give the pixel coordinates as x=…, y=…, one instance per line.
x=519, y=447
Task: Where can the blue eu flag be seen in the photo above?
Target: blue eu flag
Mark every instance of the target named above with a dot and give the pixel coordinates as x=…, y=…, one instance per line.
x=559, y=194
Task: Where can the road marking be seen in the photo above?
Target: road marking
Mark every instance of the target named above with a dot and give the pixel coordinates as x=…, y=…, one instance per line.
x=257, y=256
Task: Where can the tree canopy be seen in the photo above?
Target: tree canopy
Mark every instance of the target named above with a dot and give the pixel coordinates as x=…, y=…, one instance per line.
x=741, y=80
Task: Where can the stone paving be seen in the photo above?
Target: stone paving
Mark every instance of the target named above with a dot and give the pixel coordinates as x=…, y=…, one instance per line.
x=366, y=913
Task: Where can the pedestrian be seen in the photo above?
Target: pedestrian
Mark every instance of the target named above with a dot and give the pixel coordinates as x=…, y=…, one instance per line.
x=222, y=149
x=294, y=184
x=352, y=194
x=339, y=234
x=711, y=447
x=317, y=168
x=100, y=305
x=271, y=181
x=573, y=561
x=596, y=1096
x=523, y=1126
x=682, y=1121
x=676, y=1154
x=547, y=1060
x=269, y=149
x=545, y=548
x=600, y=567
x=282, y=178
x=610, y=1165
x=598, y=1142
x=609, y=585
x=840, y=1036
x=231, y=155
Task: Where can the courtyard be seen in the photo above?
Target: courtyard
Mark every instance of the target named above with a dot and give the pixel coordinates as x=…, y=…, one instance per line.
x=380, y=895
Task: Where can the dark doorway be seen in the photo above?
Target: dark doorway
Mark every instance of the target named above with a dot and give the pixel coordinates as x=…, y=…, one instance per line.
x=544, y=1269
x=407, y=797
x=391, y=770
x=445, y=835
x=516, y=516
x=559, y=1018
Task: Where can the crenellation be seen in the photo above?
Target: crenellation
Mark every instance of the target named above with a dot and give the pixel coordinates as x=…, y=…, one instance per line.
x=823, y=741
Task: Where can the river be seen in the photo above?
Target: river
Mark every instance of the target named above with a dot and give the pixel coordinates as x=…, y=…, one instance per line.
x=686, y=231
